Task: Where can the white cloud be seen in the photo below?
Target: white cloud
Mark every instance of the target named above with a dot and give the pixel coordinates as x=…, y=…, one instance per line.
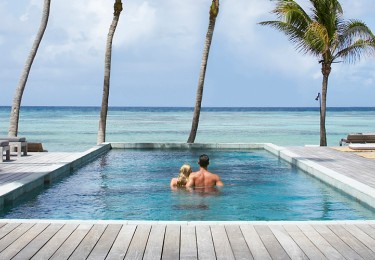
x=137, y=23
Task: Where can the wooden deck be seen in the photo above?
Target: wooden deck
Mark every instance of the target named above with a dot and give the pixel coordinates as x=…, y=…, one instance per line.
x=85, y=240
x=349, y=164
x=51, y=239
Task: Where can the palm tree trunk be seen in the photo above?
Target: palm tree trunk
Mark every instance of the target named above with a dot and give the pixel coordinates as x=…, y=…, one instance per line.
x=15, y=112
x=107, y=72
x=326, y=70
x=214, y=10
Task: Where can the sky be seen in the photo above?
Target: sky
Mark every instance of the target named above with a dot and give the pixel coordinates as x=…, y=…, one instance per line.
x=157, y=51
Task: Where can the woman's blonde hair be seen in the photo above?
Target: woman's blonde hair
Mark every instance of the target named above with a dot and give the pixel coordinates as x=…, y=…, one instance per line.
x=183, y=176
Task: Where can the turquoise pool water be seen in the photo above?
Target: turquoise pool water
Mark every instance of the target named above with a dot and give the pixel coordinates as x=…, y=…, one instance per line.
x=134, y=185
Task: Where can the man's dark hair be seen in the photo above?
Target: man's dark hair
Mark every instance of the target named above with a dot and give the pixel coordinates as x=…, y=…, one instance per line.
x=204, y=161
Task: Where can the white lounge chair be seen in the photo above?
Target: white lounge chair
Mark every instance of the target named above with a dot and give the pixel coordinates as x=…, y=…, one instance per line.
x=4, y=147
x=367, y=146
x=16, y=142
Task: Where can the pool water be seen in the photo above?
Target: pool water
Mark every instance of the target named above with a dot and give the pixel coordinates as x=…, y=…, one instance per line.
x=134, y=185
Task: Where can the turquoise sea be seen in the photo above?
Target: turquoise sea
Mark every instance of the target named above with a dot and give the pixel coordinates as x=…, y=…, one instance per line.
x=75, y=128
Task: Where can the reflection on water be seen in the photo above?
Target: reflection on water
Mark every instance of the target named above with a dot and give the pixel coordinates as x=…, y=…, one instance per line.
x=205, y=191
x=190, y=207
x=191, y=194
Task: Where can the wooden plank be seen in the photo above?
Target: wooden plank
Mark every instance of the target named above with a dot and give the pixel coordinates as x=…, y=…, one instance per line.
x=88, y=243
x=55, y=242
x=204, y=243
x=292, y=249
x=71, y=243
x=36, y=244
x=154, y=245
x=122, y=242
x=238, y=243
x=188, y=245
x=9, y=227
x=368, y=230
x=255, y=244
x=221, y=242
x=351, y=241
x=270, y=242
x=105, y=242
x=304, y=243
x=361, y=236
x=320, y=242
x=138, y=244
x=22, y=241
x=336, y=242
x=14, y=235
x=171, y=248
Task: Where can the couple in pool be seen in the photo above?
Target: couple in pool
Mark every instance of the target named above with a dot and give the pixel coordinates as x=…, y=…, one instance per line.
x=199, y=179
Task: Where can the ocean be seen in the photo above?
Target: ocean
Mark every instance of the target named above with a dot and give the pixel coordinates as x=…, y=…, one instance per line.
x=74, y=129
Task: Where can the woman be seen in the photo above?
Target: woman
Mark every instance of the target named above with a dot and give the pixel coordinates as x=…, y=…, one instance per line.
x=182, y=178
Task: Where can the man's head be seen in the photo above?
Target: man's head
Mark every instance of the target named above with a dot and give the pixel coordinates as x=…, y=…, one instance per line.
x=204, y=161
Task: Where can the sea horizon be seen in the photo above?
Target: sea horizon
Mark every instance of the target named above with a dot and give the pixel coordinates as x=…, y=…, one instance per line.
x=203, y=108
x=74, y=128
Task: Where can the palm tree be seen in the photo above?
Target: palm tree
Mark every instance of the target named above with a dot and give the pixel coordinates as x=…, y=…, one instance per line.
x=325, y=35
x=214, y=11
x=15, y=112
x=107, y=72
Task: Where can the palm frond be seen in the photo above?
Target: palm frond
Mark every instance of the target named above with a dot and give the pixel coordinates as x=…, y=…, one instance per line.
x=317, y=38
x=293, y=33
x=356, y=50
x=353, y=30
x=324, y=34
x=355, y=38
x=328, y=13
x=290, y=12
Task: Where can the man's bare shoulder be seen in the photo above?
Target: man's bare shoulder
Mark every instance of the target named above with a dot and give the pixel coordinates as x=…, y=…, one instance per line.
x=212, y=174
x=193, y=174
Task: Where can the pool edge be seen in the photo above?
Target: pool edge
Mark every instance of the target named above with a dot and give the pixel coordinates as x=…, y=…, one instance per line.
x=347, y=185
x=13, y=190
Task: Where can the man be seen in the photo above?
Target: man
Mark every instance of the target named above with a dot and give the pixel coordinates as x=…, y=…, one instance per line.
x=204, y=178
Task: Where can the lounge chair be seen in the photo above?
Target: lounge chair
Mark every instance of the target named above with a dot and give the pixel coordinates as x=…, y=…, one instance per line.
x=16, y=142
x=35, y=147
x=359, y=138
x=367, y=146
x=4, y=147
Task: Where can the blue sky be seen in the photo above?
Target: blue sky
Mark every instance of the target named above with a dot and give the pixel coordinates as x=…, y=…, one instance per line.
x=157, y=54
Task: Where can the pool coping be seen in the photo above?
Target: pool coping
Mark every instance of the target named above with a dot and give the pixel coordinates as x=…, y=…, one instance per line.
x=192, y=223
x=11, y=191
x=356, y=189
x=350, y=186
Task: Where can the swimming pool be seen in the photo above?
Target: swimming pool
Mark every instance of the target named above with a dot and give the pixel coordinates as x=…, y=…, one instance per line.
x=134, y=185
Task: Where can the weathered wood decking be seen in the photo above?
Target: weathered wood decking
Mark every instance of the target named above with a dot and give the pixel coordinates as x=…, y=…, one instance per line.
x=85, y=240
x=349, y=164
x=49, y=239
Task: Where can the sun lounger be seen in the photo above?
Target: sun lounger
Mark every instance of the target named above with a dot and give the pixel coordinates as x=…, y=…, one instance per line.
x=16, y=142
x=359, y=138
x=362, y=146
x=4, y=147
x=35, y=147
